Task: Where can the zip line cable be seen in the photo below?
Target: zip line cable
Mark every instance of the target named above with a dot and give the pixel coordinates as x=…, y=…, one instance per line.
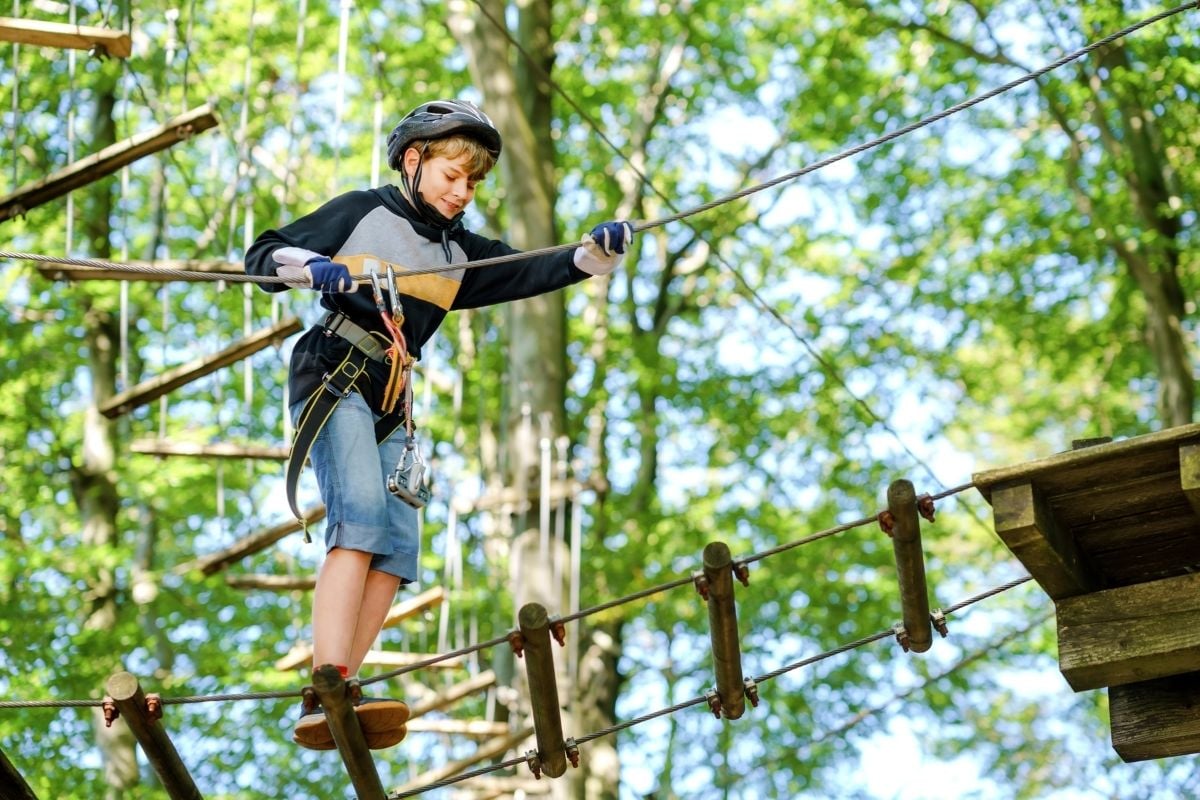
x=789, y=176
x=624, y=600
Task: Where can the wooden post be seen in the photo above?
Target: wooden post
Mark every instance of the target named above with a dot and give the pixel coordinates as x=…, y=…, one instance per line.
x=1156, y=719
x=125, y=691
x=723, y=629
x=149, y=391
x=543, y=689
x=106, y=162
x=910, y=566
x=56, y=34
x=12, y=784
x=1130, y=634
x=347, y=733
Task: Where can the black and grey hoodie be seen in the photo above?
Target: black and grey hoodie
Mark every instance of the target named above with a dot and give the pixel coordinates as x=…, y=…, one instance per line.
x=381, y=223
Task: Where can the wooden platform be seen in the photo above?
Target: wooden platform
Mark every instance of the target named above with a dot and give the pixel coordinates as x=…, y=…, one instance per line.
x=1102, y=517
x=1111, y=532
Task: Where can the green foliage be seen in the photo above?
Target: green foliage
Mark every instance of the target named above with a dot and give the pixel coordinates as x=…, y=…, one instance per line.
x=949, y=301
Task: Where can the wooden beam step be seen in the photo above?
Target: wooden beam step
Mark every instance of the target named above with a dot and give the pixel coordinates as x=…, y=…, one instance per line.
x=107, y=161
x=300, y=656
x=148, y=391
x=459, y=727
x=493, y=749
x=412, y=606
x=71, y=37
x=249, y=545
x=56, y=270
x=166, y=447
x=274, y=583
x=446, y=697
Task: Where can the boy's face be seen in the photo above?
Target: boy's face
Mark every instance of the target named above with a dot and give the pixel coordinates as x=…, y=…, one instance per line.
x=445, y=183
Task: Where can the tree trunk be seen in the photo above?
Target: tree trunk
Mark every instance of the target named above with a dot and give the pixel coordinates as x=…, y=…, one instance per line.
x=518, y=102
x=94, y=481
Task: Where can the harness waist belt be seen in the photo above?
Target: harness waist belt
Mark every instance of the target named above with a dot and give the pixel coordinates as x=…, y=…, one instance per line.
x=368, y=343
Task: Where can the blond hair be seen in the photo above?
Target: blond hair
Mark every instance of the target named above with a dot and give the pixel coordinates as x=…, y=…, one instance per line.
x=479, y=160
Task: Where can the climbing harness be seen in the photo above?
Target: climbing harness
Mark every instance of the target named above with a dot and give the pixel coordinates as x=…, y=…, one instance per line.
x=407, y=482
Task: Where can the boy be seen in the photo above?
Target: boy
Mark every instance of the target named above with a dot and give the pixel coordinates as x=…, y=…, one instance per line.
x=354, y=366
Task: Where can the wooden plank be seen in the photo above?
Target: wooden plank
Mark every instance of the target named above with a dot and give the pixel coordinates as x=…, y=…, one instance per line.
x=165, y=447
x=1135, y=633
x=494, y=749
x=1156, y=719
x=447, y=697
x=1114, y=462
x=300, y=656
x=12, y=784
x=1026, y=524
x=406, y=609
x=56, y=270
x=148, y=391
x=478, y=728
x=274, y=583
x=106, y=162
x=72, y=37
x=1189, y=474
x=249, y=545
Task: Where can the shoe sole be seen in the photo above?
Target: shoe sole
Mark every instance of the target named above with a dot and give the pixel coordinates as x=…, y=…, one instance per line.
x=382, y=724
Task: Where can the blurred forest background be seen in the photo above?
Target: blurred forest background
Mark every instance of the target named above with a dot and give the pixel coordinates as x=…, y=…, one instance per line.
x=975, y=294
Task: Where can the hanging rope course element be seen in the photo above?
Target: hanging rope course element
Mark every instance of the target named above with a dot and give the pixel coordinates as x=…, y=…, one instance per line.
x=624, y=600
x=700, y=209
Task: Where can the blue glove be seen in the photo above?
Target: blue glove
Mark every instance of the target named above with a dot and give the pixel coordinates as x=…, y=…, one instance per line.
x=329, y=276
x=308, y=270
x=601, y=250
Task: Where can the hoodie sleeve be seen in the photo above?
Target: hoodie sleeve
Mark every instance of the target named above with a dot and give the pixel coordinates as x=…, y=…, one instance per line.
x=514, y=280
x=322, y=232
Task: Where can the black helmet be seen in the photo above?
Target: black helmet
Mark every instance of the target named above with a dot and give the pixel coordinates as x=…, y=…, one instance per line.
x=440, y=119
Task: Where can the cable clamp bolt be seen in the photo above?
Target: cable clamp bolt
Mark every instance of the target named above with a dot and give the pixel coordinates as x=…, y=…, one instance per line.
x=154, y=706
x=901, y=635
x=887, y=522
x=558, y=629
x=517, y=642
x=741, y=571
x=535, y=763
x=111, y=712
x=938, y=618
x=714, y=702
x=925, y=507
x=701, y=582
x=354, y=691
x=572, y=749
x=751, y=691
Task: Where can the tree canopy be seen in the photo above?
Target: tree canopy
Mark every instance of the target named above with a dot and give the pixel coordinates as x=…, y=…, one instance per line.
x=976, y=293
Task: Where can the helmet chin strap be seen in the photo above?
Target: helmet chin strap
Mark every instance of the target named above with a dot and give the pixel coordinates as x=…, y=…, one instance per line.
x=428, y=212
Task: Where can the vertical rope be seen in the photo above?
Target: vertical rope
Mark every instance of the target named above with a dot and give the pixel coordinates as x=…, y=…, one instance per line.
x=16, y=103
x=71, y=134
x=340, y=98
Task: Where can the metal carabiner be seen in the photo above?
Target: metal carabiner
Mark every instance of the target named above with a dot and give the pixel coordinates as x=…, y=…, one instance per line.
x=397, y=306
x=376, y=288
x=408, y=480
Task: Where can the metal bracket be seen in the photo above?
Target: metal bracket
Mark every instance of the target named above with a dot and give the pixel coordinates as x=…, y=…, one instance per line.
x=701, y=583
x=714, y=702
x=558, y=629
x=517, y=642
x=938, y=617
x=925, y=507
x=741, y=571
x=534, y=762
x=154, y=706
x=901, y=635
x=887, y=523
x=110, y=711
x=572, y=749
x=751, y=691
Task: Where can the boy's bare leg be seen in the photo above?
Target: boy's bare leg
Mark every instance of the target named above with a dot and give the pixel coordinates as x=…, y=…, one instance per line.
x=378, y=594
x=337, y=605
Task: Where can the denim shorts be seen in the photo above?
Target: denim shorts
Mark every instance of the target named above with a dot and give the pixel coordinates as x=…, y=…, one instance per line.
x=352, y=472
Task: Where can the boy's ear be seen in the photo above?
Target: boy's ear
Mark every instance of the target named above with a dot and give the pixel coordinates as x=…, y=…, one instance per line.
x=412, y=157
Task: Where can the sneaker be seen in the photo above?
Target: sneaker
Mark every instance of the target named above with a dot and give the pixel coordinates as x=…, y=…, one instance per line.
x=382, y=721
x=312, y=729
